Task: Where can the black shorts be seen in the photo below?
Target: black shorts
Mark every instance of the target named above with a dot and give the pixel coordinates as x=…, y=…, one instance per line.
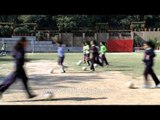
x=60, y=60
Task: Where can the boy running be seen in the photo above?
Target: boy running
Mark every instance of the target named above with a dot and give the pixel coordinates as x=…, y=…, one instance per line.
x=19, y=72
x=94, y=56
x=103, y=50
x=149, y=55
x=61, y=56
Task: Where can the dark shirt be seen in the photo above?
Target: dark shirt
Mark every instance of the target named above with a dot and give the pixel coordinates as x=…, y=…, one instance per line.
x=149, y=61
x=19, y=57
x=94, y=51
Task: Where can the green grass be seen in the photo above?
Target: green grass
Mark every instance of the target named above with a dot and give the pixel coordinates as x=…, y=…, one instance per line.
x=129, y=63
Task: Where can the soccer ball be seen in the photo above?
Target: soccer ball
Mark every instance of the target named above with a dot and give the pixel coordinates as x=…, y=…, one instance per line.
x=52, y=70
x=79, y=62
x=95, y=65
x=130, y=84
x=84, y=68
x=48, y=94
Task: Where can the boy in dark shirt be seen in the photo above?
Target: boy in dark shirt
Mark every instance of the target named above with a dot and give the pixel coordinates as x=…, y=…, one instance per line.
x=94, y=56
x=149, y=62
x=19, y=72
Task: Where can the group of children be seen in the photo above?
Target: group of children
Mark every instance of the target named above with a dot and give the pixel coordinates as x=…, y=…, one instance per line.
x=93, y=54
x=19, y=72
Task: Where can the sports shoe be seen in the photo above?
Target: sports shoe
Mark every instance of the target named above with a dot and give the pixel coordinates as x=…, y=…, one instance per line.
x=91, y=70
x=146, y=86
x=32, y=96
x=63, y=71
x=51, y=71
x=158, y=85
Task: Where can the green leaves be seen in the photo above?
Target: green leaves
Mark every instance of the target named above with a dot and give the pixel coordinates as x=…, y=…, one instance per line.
x=22, y=30
x=6, y=31
x=65, y=22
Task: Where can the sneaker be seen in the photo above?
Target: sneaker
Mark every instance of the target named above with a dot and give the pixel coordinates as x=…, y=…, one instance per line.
x=92, y=70
x=158, y=85
x=63, y=71
x=32, y=96
x=146, y=86
x=51, y=71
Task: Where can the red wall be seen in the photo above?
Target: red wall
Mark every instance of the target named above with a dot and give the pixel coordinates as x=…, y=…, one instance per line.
x=120, y=45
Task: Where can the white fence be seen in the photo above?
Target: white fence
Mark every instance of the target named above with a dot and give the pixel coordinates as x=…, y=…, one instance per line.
x=36, y=46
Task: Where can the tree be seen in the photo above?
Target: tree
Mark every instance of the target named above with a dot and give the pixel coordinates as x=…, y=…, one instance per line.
x=65, y=23
x=6, y=31
x=9, y=18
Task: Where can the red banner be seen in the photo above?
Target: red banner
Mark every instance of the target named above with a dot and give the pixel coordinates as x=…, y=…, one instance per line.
x=120, y=45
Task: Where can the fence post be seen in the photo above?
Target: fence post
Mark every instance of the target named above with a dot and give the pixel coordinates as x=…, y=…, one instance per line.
x=60, y=37
x=83, y=36
x=96, y=37
x=33, y=45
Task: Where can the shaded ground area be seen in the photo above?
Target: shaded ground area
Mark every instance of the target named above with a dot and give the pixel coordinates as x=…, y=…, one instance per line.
x=77, y=87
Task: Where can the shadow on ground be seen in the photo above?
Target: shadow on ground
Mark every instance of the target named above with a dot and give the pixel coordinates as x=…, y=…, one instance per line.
x=120, y=70
x=40, y=81
x=53, y=80
x=62, y=99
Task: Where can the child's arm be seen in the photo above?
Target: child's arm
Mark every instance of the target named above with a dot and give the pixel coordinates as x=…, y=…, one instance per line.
x=150, y=55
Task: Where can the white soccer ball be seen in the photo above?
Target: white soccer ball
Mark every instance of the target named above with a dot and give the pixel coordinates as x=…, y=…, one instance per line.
x=95, y=65
x=52, y=70
x=48, y=95
x=84, y=68
x=130, y=84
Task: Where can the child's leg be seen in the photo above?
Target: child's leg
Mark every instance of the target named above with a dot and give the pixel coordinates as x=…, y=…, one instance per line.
x=92, y=64
x=154, y=77
x=146, y=72
x=88, y=61
x=5, y=52
x=98, y=62
x=8, y=81
x=24, y=78
x=104, y=59
x=61, y=59
x=101, y=58
x=62, y=64
x=84, y=58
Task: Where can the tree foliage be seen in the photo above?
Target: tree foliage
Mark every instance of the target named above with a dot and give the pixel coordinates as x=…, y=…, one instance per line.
x=66, y=23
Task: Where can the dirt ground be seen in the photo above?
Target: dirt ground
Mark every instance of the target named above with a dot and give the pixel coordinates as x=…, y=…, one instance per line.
x=79, y=88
